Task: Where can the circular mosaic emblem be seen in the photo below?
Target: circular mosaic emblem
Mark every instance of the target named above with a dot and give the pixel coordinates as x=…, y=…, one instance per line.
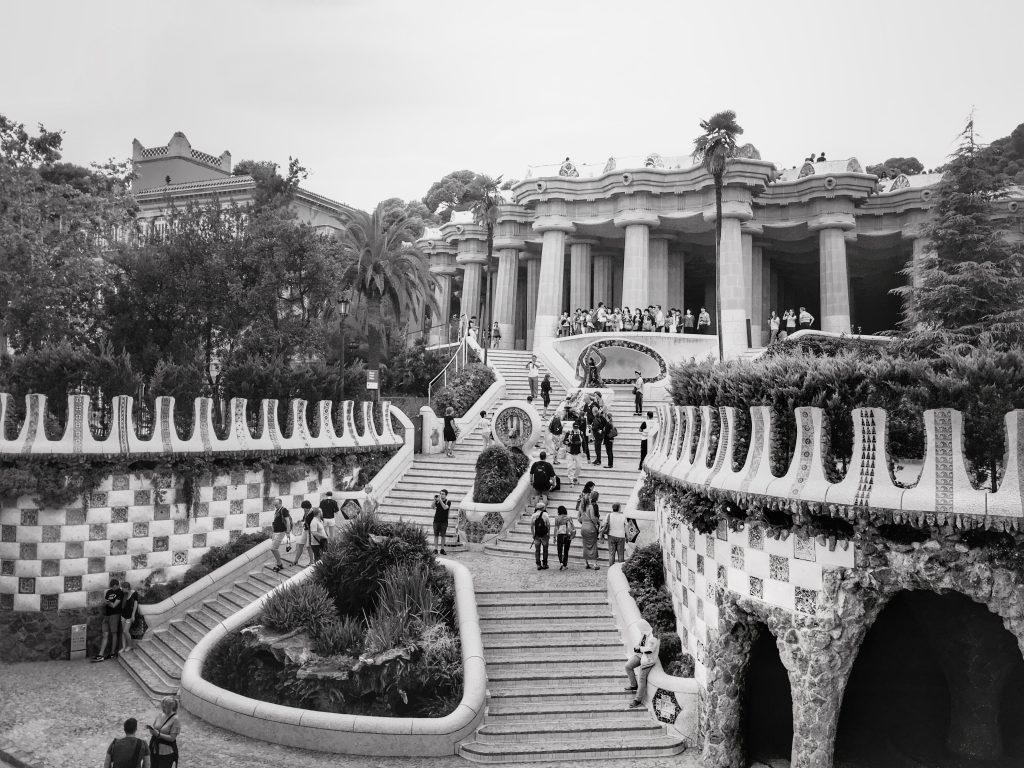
x=665, y=706
x=516, y=426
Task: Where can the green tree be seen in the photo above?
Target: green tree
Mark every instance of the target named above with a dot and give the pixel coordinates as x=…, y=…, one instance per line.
x=414, y=210
x=457, y=191
x=894, y=166
x=712, y=149
x=272, y=189
x=967, y=287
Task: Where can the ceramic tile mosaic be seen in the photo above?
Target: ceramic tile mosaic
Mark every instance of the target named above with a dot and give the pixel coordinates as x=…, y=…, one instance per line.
x=119, y=514
x=709, y=547
x=51, y=534
x=98, y=499
x=50, y=568
x=722, y=531
x=253, y=490
x=736, y=556
x=700, y=563
x=723, y=578
x=6, y=567
x=700, y=608
x=778, y=568
x=220, y=493
x=198, y=541
x=180, y=558
x=756, y=588
x=73, y=550
x=120, y=483
x=803, y=548
x=8, y=533
x=161, y=511
x=30, y=517
x=691, y=580
x=755, y=536
x=693, y=538
x=72, y=583
x=806, y=600
x=181, y=525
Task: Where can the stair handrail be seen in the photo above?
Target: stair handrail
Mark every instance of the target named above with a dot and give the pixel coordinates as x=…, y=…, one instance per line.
x=458, y=361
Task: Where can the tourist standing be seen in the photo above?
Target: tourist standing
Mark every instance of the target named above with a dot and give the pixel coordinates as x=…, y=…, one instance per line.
x=280, y=527
x=574, y=447
x=554, y=437
x=317, y=535
x=540, y=527
x=689, y=322
x=610, y=433
x=495, y=335
x=614, y=527
x=111, y=627
x=703, y=321
x=564, y=531
x=774, y=324
x=129, y=610
x=590, y=523
x=463, y=326
x=602, y=316
x=129, y=751
x=648, y=428
x=659, y=319
x=329, y=510
x=304, y=539
x=638, y=394
x=532, y=375
x=450, y=434
x=442, y=506
x=545, y=392
x=164, y=732
x=541, y=475
x=789, y=318
x=486, y=431
x=806, y=319
x=597, y=430
x=645, y=653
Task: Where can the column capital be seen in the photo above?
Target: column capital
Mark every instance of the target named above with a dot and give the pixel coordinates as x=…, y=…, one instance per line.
x=509, y=243
x=591, y=241
x=630, y=216
x=731, y=209
x=525, y=256
x=751, y=227
x=554, y=223
x=464, y=259
x=836, y=220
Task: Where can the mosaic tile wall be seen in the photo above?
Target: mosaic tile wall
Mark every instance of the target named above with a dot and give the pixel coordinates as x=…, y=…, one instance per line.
x=786, y=573
x=64, y=558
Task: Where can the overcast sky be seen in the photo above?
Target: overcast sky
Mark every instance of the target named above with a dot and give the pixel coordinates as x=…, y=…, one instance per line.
x=379, y=98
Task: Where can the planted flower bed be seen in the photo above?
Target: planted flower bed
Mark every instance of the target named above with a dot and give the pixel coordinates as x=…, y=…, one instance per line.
x=371, y=633
x=646, y=578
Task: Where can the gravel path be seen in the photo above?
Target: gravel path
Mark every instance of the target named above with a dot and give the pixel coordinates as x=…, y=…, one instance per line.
x=68, y=712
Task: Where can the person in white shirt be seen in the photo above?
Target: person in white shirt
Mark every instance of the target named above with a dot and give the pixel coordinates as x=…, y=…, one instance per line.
x=806, y=318
x=659, y=320
x=614, y=528
x=485, y=430
x=703, y=321
x=602, y=317
x=645, y=654
x=533, y=375
x=648, y=429
x=638, y=394
x=774, y=323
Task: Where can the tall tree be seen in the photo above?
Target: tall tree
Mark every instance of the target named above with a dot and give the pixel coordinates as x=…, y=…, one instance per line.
x=712, y=149
x=457, y=191
x=967, y=288
x=895, y=166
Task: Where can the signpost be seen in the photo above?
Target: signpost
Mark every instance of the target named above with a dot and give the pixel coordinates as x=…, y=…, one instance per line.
x=78, y=636
x=373, y=381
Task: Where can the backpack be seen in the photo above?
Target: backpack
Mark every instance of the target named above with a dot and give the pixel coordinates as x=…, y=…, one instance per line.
x=136, y=758
x=540, y=528
x=555, y=427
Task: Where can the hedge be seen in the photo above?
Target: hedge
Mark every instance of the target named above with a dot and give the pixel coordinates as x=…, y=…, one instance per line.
x=498, y=471
x=464, y=388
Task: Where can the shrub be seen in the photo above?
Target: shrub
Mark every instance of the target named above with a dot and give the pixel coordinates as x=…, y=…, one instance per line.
x=645, y=565
x=211, y=560
x=670, y=650
x=464, y=388
x=341, y=636
x=655, y=606
x=299, y=606
x=409, y=584
x=645, y=498
x=496, y=475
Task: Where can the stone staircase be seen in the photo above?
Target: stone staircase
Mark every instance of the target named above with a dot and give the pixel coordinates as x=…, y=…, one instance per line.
x=614, y=485
x=555, y=682
x=412, y=498
x=155, y=662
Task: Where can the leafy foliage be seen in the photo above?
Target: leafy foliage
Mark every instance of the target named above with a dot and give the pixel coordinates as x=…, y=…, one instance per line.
x=464, y=388
x=497, y=475
x=340, y=636
x=458, y=191
x=894, y=166
x=299, y=606
x=215, y=557
x=646, y=576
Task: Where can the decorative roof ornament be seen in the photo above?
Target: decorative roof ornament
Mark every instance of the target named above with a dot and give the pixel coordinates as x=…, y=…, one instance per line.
x=748, y=151
x=854, y=166
x=610, y=165
x=568, y=169
x=654, y=160
x=900, y=182
x=807, y=169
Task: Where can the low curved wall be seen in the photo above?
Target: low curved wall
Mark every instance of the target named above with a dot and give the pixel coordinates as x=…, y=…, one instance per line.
x=672, y=347
x=339, y=733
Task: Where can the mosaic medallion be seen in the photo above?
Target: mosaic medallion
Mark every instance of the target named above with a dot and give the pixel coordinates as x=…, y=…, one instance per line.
x=665, y=706
x=515, y=426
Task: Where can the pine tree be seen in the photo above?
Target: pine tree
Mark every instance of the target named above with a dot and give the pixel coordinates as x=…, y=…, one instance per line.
x=968, y=288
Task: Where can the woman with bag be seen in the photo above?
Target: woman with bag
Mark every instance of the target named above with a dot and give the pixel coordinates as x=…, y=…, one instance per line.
x=281, y=527
x=317, y=534
x=590, y=524
x=451, y=433
x=129, y=613
x=564, y=531
x=304, y=538
x=163, y=735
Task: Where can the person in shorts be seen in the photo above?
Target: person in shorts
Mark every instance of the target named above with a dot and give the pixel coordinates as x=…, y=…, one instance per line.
x=129, y=751
x=280, y=528
x=329, y=507
x=112, y=600
x=129, y=610
x=441, y=509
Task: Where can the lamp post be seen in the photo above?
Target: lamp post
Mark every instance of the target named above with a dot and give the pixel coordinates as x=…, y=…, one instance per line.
x=343, y=307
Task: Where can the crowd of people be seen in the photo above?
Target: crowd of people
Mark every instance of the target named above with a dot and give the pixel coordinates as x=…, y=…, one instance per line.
x=653, y=319
x=316, y=526
x=780, y=327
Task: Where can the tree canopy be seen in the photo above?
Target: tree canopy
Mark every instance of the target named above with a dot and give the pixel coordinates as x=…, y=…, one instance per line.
x=458, y=191
x=894, y=166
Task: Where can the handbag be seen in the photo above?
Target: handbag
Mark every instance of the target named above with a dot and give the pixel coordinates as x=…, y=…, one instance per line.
x=613, y=432
x=138, y=627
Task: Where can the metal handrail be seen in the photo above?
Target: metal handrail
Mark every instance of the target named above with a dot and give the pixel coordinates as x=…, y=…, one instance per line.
x=457, y=363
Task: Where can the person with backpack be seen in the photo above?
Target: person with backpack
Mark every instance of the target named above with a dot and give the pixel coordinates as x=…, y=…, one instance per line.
x=329, y=508
x=541, y=475
x=553, y=438
x=540, y=528
x=574, y=447
x=564, y=531
x=129, y=751
x=614, y=528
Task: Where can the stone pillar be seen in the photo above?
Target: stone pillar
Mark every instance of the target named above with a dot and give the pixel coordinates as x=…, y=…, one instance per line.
x=442, y=267
x=554, y=229
x=603, y=290
x=637, y=221
x=472, y=285
x=505, y=293
x=733, y=290
x=580, y=263
x=757, y=315
x=532, y=261
x=676, y=280
x=835, y=281
x=767, y=299
x=921, y=250
x=657, y=275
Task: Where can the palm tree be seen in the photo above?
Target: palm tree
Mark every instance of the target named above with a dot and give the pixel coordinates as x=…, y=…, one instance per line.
x=485, y=201
x=712, y=149
x=389, y=276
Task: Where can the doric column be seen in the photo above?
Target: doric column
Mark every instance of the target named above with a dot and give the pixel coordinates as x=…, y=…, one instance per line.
x=471, y=249
x=472, y=284
x=580, y=262
x=603, y=290
x=507, y=244
x=532, y=261
x=834, y=275
x=637, y=222
x=442, y=266
x=757, y=316
x=767, y=299
x=657, y=274
x=677, y=280
x=733, y=292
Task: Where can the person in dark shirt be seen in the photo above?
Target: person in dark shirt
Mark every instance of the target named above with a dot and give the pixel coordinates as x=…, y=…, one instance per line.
x=129, y=751
x=281, y=527
x=112, y=600
x=442, y=506
x=129, y=610
x=541, y=475
x=330, y=508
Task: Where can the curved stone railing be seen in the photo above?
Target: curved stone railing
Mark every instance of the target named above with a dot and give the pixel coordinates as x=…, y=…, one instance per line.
x=944, y=491
x=123, y=437
x=677, y=706
x=340, y=733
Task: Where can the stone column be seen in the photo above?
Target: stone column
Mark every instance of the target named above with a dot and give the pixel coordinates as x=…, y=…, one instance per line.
x=505, y=290
x=442, y=266
x=637, y=221
x=733, y=291
x=834, y=276
x=603, y=290
x=767, y=299
x=677, y=280
x=657, y=275
x=757, y=314
x=472, y=284
x=532, y=261
x=554, y=229
x=580, y=263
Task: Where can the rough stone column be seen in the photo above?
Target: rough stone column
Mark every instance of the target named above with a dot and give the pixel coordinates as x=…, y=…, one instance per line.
x=657, y=275
x=505, y=293
x=637, y=220
x=603, y=279
x=757, y=314
x=677, y=280
x=733, y=291
x=554, y=228
x=580, y=263
x=532, y=261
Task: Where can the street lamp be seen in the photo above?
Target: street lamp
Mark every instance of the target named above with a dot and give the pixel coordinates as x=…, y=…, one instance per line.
x=343, y=307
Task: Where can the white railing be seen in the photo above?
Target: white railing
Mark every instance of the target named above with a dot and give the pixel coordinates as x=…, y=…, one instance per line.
x=459, y=361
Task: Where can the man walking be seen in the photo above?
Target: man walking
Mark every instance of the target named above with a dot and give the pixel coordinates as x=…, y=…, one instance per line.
x=541, y=475
x=574, y=445
x=638, y=394
x=533, y=375
x=329, y=507
x=615, y=529
x=540, y=527
x=564, y=531
x=645, y=653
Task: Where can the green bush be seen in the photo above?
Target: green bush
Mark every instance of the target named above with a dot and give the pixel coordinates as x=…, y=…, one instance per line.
x=464, y=388
x=340, y=636
x=496, y=474
x=645, y=565
x=645, y=498
x=299, y=606
x=211, y=560
x=671, y=648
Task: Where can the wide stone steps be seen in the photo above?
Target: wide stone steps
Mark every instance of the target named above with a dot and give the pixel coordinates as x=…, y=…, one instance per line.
x=529, y=730
x=531, y=597
x=155, y=662
x=592, y=748
x=499, y=711
x=527, y=626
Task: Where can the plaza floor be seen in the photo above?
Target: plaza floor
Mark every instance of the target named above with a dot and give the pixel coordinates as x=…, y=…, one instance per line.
x=68, y=712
